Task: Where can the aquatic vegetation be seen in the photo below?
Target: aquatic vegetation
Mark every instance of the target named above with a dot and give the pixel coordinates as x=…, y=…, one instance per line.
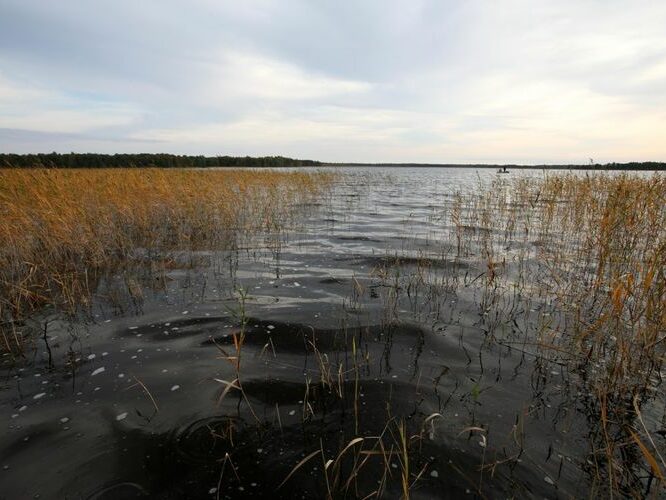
x=61, y=229
x=607, y=274
x=505, y=341
x=586, y=255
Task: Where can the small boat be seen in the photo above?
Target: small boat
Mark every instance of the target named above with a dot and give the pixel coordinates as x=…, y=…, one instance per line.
x=502, y=170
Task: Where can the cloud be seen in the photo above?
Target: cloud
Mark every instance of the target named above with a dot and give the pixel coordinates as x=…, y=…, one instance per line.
x=244, y=75
x=381, y=80
x=42, y=110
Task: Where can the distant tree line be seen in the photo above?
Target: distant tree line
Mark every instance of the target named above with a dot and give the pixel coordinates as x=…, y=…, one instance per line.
x=93, y=160
x=142, y=160
x=632, y=165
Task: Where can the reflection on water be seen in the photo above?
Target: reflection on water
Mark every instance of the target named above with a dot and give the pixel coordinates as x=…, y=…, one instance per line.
x=363, y=321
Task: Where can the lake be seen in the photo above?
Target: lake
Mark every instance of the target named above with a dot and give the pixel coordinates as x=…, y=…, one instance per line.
x=377, y=349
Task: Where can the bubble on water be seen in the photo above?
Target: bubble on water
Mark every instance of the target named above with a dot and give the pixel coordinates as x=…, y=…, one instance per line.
x=212, y=491
x=121, y=416
x=64, y=420
x=39, y=396
x=99, y=370
x=548, y=480
x=105, y=354
x=186, y=312
x=296, y=283
x=133, y=327
x=121, y=375
x=91, y=356
x=434, y=473
x=175, y=388
x=271, y=327
x=292, y=412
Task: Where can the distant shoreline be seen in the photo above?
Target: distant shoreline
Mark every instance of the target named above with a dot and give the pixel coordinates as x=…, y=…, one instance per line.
x=631, y=166
x=160, y=160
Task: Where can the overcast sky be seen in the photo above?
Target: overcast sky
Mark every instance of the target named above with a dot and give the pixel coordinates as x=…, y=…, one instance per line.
x=366, y=80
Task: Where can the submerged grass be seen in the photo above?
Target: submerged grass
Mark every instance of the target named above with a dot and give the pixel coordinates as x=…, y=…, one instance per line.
x=61, y=229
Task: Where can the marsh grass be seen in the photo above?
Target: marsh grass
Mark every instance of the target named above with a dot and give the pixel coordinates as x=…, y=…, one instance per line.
x=608, y=275
x=61, y=230
x=578, y=265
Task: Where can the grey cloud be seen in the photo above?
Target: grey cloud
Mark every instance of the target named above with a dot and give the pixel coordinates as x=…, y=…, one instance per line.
x=424, y=80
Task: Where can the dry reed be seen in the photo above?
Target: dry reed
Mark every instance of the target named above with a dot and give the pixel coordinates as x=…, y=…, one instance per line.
x=60, y=229
x=593, y=249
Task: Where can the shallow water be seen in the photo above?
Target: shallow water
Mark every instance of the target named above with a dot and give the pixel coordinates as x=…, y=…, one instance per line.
x=134, y=405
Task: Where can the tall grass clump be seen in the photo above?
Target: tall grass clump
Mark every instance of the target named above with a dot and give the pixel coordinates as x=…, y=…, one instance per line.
x=61, y=229
x=609, y=275
x=591, y=250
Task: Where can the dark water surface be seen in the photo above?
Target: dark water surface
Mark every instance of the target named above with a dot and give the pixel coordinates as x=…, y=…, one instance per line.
x=133, y=406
